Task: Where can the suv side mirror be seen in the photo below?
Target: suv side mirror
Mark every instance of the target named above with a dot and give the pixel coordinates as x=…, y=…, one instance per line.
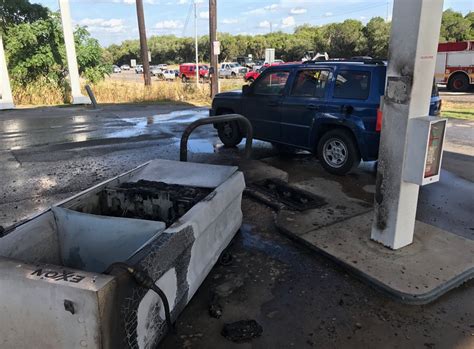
x=245, y=90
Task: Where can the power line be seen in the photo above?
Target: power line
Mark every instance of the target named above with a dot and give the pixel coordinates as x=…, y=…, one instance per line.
x=188, y=17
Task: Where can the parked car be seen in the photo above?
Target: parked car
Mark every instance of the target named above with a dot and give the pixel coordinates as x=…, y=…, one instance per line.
x=329, y=108
x=245, y=61
x=125, y=67
x=263, y=63
x=116, y=69
x=252, y=75
x=162, y=66
x=232, y=70
x=139, y=69
x=168, y=74
x=155, y=70
x=187, y=71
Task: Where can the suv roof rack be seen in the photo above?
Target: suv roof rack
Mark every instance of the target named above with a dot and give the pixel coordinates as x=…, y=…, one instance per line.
x=365, y=60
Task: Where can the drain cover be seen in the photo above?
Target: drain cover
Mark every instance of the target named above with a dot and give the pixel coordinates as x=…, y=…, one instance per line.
x=289, y=195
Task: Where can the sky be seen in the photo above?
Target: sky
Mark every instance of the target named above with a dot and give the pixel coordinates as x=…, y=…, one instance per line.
x=112, y=21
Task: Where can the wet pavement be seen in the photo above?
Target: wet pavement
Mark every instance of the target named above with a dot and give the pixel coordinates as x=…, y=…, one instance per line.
x=300, y=299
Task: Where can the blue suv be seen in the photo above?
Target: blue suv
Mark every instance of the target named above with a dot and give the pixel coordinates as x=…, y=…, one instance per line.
x=330, y=108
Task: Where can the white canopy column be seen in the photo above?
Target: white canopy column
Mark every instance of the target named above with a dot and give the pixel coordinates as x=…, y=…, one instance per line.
x=77, y=96
x=6, y=98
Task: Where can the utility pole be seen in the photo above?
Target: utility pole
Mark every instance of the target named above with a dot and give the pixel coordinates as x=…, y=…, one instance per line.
x=143, y=44
x=213, y=44
x=196, y=41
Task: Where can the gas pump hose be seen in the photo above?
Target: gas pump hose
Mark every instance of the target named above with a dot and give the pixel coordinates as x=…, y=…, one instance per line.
x=144, y=280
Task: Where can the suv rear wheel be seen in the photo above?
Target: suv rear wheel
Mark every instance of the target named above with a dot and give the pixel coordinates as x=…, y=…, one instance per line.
x=337, y=152
x=229, y=133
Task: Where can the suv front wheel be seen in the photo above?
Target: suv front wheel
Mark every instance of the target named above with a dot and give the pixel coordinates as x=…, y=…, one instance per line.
x=337, y=152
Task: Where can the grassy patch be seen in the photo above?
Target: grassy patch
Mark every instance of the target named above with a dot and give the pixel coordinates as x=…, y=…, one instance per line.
x=121, y=92
x=463, y=111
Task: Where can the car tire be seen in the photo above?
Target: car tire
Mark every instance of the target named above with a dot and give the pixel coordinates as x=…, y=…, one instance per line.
x=337, y=152
x=458, y=83
x=250, y=80
x=184, y=79
x=229, y=134
x=233, y=75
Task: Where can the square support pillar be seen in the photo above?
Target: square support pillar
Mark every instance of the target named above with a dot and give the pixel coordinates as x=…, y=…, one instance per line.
x=77, y=96
x=412, y=56
x=6, y=100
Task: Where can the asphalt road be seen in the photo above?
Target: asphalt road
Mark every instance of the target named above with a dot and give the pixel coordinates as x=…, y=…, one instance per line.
x=301, y=299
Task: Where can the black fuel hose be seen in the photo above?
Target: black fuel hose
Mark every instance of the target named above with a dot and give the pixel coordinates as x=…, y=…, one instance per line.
x=144, y=280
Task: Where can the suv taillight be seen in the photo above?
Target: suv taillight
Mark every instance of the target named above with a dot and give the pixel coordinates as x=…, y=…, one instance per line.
x=378, y=125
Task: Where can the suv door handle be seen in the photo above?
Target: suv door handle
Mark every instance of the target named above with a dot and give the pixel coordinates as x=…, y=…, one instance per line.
x=312, y=107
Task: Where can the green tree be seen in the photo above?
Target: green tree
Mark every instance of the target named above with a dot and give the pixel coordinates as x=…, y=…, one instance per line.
x=454, y=27
x=470, y=18
x=346, y=39
x=377, y=32
x=14, y=12
x=36, y=50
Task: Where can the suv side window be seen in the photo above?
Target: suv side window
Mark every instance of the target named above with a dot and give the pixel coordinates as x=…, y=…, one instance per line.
x=352, y=84
x=310, y=83
x=272, y=83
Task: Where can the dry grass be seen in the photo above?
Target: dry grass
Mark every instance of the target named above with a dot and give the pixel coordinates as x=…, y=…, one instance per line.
x=458, y=110
x=112, y=91
x=115, y=91
x=41, y=92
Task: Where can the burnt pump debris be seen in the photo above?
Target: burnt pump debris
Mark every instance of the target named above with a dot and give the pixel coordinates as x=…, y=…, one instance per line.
x=115, y=265
x=279, y=194
x=150, y=200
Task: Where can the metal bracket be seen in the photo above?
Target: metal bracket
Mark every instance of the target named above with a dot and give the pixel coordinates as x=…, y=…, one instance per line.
x=183, y=150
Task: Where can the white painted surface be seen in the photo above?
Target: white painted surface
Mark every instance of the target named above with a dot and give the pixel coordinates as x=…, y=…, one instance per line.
x=32, y=312
x=77, y=96
x=214, y=224
x=413, y=50
x=185, y=173
x=92, y=243
x=147, y=328
x=460, y=59
x=418, y=141
x=6, y=100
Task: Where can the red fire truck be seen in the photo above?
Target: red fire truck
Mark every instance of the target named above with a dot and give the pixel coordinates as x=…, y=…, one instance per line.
x=455, y=65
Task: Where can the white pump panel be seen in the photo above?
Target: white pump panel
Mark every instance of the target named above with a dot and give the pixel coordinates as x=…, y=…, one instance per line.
x=425, y=143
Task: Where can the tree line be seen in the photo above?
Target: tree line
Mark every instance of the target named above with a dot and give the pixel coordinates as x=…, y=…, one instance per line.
x=346, y=39
x=35, y=49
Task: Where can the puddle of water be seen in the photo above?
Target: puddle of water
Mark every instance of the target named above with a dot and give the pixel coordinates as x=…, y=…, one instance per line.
x=146, y=124
x=202, y=145
x=19, y=134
